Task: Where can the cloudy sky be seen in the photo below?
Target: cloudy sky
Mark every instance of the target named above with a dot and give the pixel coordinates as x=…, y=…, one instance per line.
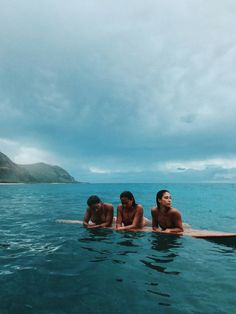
x=120, y=91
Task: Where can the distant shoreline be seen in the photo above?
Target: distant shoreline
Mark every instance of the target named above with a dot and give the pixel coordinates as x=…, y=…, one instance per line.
x=40, y=172
x=34, y=183
x=11, y=183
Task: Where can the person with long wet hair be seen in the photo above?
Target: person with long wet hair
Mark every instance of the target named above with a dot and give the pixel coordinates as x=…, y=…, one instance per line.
x=100, y=214
x=129, y=214
x=164, y=217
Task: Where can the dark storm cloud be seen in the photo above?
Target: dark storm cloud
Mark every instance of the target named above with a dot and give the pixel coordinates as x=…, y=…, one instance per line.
x=112, y=88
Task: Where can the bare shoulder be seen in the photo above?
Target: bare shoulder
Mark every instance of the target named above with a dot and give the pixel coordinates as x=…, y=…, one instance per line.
x=175, y=212
x=154, y=210
x=108, y=206
x=88, y=210
x=139, y=208
x=119, y=207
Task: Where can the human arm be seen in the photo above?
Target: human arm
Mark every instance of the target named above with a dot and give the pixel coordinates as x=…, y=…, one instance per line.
x=87, y=217
x=176, y=222
x=154, y=212
x=109, y=218
x=137, y=221
x=119, y=217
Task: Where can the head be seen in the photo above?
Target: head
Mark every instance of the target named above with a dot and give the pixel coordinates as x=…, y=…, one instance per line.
x=163, y=198
x=127, y=199
x=94, y=202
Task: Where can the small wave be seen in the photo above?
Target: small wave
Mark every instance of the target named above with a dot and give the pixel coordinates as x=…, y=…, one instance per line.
x=5, y=272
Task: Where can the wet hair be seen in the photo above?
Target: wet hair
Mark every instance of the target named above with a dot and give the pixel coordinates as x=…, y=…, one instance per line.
x=159, y=196
x=128, y=195
x=93, y=200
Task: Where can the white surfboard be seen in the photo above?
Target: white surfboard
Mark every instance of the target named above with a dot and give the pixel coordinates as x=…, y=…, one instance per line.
x=204, y=234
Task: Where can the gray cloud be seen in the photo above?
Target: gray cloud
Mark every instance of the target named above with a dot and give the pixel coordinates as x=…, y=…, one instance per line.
x=117, y=85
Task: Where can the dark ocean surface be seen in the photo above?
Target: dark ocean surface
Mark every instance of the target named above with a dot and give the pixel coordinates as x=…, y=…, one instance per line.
x=47, y=267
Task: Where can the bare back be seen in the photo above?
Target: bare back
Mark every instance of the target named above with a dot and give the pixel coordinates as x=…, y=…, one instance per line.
x=102, y=217
x=170, y=219
x=130, y=217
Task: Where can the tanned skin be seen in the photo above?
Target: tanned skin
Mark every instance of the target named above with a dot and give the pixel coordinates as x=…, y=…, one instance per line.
x=101, y=215
x=166, y=218
x=129, y=216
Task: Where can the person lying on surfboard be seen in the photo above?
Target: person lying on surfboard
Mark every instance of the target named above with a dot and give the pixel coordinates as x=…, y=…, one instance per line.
x=164, y=217
x=129, y=214
x=99, y=213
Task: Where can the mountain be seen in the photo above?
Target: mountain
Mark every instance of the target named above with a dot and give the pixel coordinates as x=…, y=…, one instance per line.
x=35, y=173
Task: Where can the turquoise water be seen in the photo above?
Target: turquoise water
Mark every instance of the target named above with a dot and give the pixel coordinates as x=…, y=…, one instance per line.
x=46, y=267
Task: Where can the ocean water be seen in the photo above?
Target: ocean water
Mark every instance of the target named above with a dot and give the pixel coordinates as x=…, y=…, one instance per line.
x=47, y=267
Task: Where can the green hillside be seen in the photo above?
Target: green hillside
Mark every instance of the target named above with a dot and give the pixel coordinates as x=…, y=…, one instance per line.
x=35, y=173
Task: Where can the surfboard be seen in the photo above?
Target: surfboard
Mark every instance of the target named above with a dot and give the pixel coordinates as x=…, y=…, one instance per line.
x=202, y=234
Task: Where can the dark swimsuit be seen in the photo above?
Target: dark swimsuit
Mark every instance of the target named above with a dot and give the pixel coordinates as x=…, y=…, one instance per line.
x=99, y=220
x=128, y=221
x=163, y=228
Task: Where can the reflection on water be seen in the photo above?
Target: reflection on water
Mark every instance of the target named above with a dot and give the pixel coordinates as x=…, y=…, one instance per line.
x=165, y=242
x=110, y=245
x=98, y=244
x=226, y=241
x=135, y=252
x=128, y=243
x=224, y=250
x=164, y=249
x=99, y=234
x=50, y=268
x=161, y=294
x=4, y=245
x=158, y=267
